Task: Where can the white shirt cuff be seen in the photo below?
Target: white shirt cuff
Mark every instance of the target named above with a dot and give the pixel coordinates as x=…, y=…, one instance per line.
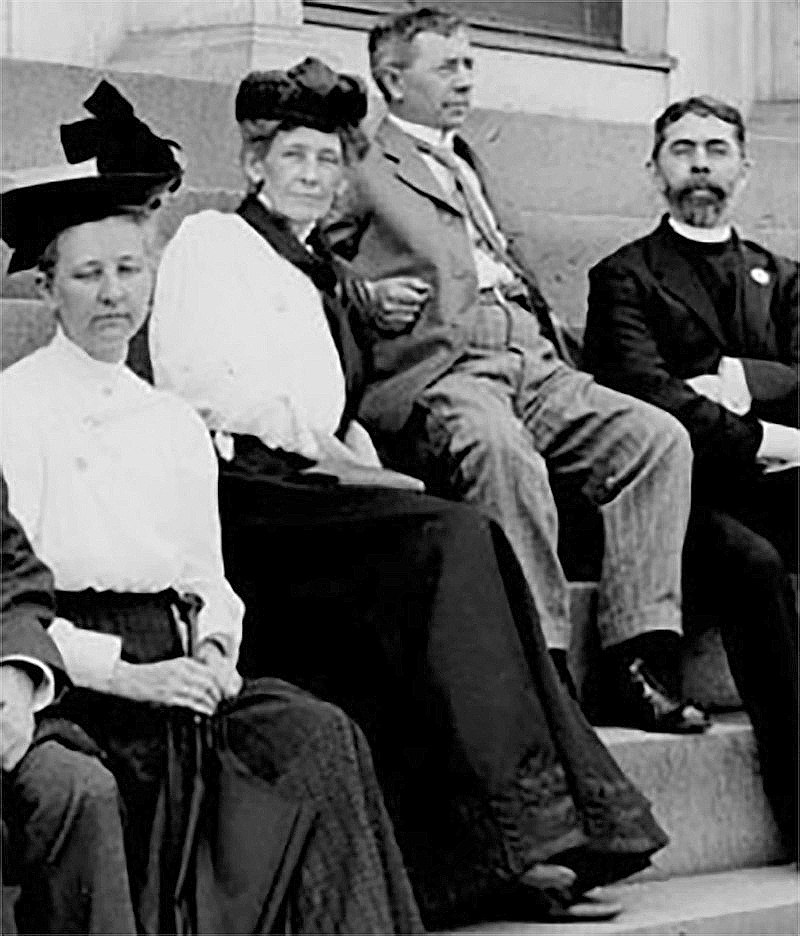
x=45, y=691
x=90, y=657
x=736, y=393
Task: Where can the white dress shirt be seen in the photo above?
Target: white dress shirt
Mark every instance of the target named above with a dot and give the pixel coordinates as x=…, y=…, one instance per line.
x=114, y=483
x=490, y=271
x=240, y=333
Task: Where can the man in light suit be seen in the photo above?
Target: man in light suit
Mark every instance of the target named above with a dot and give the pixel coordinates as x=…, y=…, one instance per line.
x=62, y=831
x=469, y=387
x=706, y=325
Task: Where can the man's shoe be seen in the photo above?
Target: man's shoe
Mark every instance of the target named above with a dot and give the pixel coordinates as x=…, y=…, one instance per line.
x=638, y=700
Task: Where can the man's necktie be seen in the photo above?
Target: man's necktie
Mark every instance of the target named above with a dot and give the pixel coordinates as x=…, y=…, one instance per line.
x=473, y=206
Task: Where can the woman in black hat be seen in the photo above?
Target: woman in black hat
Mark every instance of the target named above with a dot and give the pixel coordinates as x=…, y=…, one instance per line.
x=408, y=611
x=248, y=808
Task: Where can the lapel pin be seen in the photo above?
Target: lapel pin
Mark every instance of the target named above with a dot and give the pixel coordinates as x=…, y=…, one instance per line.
x=759, y=275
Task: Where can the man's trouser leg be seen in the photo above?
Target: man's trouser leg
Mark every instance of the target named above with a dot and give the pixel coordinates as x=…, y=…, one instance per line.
x=65, y=844
x=740, y=578
x=633, y=461
x=492, y=464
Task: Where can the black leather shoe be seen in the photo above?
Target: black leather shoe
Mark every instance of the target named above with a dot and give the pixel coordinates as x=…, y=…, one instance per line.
x=637, y=700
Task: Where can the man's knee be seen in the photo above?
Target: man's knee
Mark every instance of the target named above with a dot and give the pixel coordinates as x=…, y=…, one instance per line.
x=493, y=446
x=761, y=563
x=663, y=432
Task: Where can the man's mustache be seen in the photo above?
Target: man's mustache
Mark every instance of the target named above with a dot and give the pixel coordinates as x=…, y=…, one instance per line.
x=700, y=185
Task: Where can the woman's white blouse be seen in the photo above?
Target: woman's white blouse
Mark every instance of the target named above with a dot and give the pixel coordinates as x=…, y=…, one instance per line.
x=241, y=334
x=114, y=482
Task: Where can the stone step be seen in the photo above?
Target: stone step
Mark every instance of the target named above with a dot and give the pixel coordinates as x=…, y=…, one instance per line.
x=706, y=792
x=25, y=325
x=37, y=97
x=552, y=164
x=591, y=167
x=752, y=902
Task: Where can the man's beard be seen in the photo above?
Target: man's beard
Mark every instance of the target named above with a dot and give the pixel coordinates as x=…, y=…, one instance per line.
x=699, y=203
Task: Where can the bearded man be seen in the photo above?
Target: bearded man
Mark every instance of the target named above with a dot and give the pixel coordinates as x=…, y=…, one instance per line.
x=698, y=321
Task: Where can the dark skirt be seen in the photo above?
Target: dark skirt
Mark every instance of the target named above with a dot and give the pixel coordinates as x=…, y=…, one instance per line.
x=350, y=877
x=412, y=614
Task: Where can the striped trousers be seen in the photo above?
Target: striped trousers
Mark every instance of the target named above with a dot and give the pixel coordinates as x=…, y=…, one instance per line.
x=511, y=416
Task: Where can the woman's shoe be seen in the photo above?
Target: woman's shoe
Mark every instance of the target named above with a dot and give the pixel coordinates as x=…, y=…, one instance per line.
x=585, y=910
x=550, y=878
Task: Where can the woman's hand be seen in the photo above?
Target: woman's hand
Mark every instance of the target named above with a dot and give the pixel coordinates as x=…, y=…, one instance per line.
x=222, y=668
x=183, y=683
x=17, y=723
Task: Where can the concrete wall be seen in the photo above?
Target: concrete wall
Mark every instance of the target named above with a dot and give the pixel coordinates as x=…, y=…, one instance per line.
x=738, y=49
x=742, y=51
x=79, y=32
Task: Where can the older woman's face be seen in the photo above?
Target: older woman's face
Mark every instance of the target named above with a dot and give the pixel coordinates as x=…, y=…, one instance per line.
x=301, y=172
x=101, y=285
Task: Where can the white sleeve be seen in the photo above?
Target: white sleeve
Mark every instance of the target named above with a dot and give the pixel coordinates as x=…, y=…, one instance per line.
x=228, y=370
x=45, y=690
x=203, y=570
x=89, y=657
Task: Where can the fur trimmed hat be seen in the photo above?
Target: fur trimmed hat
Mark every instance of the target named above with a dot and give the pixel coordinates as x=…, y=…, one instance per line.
x=310, y=94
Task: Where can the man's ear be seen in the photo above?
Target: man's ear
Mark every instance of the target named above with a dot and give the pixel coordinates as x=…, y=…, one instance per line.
x=392, y=80
x=747, y=168
x=655, y=176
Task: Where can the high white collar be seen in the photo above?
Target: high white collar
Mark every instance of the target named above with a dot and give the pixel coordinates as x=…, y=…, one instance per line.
x=70, y=352
x=433, y=136
x=717, y=235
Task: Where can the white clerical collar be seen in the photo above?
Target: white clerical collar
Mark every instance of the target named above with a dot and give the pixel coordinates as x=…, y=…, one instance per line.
x=68, y=350
x=718, y=235
x=303, y=233
x=433, y=136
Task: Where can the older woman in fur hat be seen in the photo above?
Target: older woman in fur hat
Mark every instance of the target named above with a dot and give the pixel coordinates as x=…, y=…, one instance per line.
x=248, y=808
x=406, y=610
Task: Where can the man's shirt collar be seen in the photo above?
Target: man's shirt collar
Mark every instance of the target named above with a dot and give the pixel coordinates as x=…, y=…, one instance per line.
x=718, y=235
x=433, y=136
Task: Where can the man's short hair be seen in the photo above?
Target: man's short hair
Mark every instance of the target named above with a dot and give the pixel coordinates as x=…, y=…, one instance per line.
x=704, y=106
x=390, y=39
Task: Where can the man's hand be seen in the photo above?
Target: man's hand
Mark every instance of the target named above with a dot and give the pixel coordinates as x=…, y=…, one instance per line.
x=397, y=302
x=780, y=447
x=736, y=395
x=222, y=668
x=182, y=682
x=728, y=386
x=17, y=723
x=707, y=385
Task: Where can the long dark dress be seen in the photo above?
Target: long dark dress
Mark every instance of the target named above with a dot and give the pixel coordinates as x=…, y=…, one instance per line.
x=412, y=614
x=345, y=871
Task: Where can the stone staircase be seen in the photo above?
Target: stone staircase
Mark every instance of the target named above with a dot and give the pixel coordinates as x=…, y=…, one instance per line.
x=583, y=192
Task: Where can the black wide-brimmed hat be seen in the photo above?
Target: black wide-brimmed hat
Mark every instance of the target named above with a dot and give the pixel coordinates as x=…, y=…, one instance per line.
x=114, y=160
x=309, y=94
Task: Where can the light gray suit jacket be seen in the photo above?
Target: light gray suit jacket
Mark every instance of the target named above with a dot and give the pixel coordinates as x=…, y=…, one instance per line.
x=396, y=220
